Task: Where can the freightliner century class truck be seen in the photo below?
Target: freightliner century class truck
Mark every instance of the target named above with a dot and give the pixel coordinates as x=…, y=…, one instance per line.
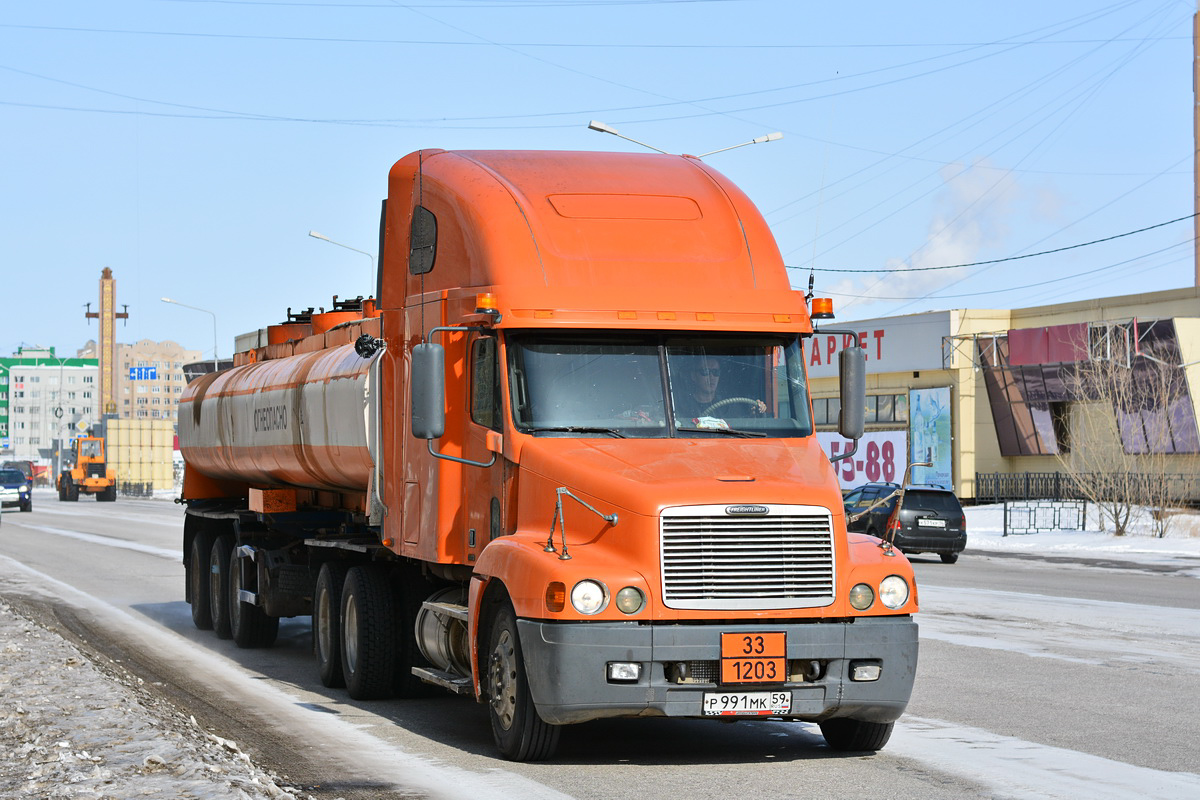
x=565, y=465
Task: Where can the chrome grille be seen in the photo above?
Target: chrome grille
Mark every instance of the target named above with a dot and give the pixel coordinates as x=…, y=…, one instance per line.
x=715, y=560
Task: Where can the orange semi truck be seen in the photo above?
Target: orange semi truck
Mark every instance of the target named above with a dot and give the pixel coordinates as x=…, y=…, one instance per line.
x=565, y=465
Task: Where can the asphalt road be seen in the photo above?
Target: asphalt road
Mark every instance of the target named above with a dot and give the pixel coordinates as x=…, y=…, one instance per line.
x=1036, y=679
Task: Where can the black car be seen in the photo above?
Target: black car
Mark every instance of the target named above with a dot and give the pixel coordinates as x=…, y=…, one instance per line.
x=930, y=520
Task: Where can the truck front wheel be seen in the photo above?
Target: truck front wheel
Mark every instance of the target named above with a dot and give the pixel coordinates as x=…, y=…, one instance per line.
x=856, y=734
x=520, y=734
x=326, y=622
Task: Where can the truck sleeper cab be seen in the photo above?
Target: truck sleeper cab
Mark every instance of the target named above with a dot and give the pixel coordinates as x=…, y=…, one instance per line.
x=568, y=467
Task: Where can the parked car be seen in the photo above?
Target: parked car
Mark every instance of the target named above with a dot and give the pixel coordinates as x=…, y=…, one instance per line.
x=929, y=520
x=15, y=489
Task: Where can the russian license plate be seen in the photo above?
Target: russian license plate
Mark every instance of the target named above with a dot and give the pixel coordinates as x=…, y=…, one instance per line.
x=747, y=704
x=754, y=657
x=924, y=522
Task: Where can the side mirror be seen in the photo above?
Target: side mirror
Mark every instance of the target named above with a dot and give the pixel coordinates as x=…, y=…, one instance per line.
x=852, y=381
x=428, y=391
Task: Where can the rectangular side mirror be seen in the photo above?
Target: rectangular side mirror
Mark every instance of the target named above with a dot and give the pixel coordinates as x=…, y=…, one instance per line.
x=852, y=380
x=428, y=391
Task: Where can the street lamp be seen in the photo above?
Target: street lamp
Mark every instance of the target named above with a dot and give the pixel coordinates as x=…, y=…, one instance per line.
x=216, y=358
x=325, y=238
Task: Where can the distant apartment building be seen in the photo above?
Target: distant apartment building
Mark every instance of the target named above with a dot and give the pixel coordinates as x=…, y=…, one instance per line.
x=44, y=398
x=150, y=378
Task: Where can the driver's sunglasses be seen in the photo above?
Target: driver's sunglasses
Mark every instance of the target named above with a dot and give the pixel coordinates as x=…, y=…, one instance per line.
x=705, y=371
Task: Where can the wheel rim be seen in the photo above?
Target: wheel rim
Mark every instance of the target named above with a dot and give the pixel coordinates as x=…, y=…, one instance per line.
x=350, y=634
x=502, y=676
x=324, y=632
x=214, y=573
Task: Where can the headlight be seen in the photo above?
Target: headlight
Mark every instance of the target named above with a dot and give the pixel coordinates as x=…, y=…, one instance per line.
x=893, y=591
x=589, y=597
x=630, y=600
x=861, y=597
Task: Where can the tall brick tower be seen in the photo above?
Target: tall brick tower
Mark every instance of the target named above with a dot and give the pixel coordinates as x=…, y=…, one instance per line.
x=108, y=315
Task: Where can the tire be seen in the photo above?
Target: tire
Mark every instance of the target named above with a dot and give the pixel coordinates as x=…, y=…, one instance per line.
x=218, y=585
x=520, y=734
x=856, y=735
x=249, y=626
x=27, y=506
x=109, y=495
x=949, y=558
x=369, y=647
x=327, y=622
x=197, y=577
x=72, y=491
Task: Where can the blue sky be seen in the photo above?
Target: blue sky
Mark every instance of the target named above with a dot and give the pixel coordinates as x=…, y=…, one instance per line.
x=190, y=145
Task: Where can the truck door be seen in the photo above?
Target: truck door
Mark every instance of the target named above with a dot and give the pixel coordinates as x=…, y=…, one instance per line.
x=485, y=488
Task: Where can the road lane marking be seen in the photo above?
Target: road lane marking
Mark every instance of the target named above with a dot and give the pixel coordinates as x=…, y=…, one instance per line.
x=109, y=541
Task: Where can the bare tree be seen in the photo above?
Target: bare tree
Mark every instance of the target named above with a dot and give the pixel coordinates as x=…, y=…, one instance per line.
x=1123, y=446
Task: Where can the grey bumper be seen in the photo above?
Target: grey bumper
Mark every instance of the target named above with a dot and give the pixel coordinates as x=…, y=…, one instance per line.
x=566, y=665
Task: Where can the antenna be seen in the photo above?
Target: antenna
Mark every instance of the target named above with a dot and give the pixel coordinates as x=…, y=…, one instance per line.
x=600, y=126
x=770, y=137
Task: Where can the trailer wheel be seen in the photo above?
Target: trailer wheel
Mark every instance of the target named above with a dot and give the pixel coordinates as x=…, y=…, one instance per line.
x=520, y=734
x=326, y=622
x=218, y=585
x=369, y=652
x=248, y=624
x=197, y=576
x=856, y=734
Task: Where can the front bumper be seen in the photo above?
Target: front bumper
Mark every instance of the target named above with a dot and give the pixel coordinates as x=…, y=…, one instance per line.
x=13, y=497
x=566, y=668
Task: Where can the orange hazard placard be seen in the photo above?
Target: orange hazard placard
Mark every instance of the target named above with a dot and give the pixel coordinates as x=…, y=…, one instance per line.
x=754, y=657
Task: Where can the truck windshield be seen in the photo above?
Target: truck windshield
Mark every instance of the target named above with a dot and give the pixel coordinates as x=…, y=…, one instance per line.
x=657, y=386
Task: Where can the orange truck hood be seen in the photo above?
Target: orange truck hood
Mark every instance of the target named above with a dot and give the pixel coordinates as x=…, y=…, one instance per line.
x=644, y=476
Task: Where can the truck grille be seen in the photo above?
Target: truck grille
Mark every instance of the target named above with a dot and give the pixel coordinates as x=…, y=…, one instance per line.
x=712, y=559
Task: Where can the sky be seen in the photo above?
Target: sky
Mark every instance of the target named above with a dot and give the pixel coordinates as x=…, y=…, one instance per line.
x=191, y=145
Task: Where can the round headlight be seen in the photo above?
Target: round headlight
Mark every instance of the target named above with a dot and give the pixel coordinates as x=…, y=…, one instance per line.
x=630, y=600
x=893, y=591
x=589, y=597
x=861, y=597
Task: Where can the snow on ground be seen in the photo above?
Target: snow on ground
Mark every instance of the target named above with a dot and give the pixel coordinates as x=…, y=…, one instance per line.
x=1180, y=546
x=72, y=729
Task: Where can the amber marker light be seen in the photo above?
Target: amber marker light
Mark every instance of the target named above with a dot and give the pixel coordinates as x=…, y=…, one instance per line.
x=485, y=303
x=822, y=308
x=556, y=596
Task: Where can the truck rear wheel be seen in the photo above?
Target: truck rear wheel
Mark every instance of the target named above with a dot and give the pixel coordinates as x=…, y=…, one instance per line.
x=856, y=734
x=249, y=626
x=520, y=734
x=326, y=622
x=369, y=646
x=197, y=576
x=218, y=585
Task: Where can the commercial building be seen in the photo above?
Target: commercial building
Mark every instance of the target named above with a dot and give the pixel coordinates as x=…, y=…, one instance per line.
x=150, y=378
x=985, y=394
x=44, y=398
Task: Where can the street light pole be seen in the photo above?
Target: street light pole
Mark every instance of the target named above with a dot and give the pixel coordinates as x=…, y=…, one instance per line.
x=216, y=358
x=325, y=238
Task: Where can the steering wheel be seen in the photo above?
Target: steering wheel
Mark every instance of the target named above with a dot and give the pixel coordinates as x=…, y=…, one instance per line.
x=749, y=401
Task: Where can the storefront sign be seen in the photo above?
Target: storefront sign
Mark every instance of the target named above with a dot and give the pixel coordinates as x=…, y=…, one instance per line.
x=896, y=344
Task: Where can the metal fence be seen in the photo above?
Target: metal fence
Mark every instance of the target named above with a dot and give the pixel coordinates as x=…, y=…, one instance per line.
x=998, y=487
x=131, y=489
x=1044, y=516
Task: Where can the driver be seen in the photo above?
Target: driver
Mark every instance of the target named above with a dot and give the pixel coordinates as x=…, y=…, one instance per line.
x=700, y=389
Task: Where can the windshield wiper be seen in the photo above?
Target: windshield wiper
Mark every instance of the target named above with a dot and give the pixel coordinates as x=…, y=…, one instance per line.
x=728, y=431
x=581, y=429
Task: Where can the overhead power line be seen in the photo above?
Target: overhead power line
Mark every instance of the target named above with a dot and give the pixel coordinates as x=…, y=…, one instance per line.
x=1001, y=260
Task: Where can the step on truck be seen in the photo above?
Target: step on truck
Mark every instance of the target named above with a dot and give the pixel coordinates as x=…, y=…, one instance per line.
x=563, y=465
